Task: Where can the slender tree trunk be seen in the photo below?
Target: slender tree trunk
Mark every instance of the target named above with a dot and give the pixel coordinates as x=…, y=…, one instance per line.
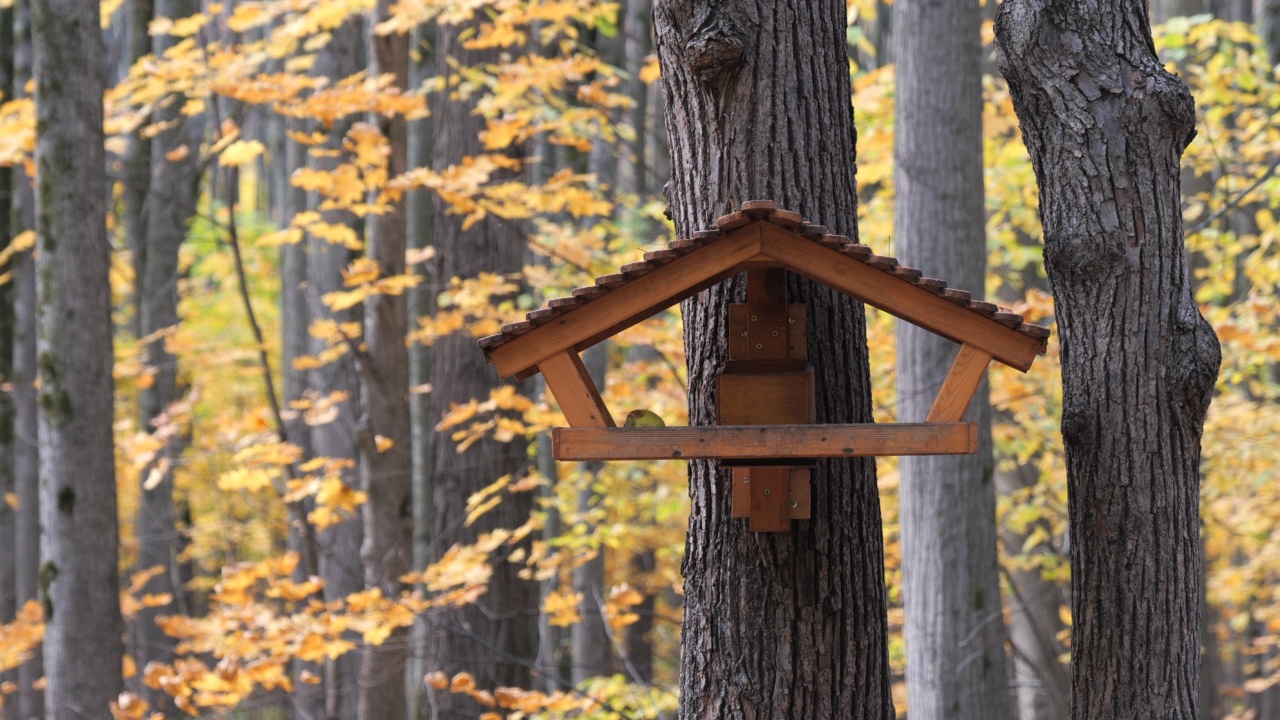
x=340, y=544
x=8, y=494
x=419, y=226
x=1040, y=677
x=385, y=473
x=137, y=167
x=26, y=453
x=955, y=630
x=171, y=204
x=1105, y=125
x=78, y=574
x=496, y=638
x=788, y=625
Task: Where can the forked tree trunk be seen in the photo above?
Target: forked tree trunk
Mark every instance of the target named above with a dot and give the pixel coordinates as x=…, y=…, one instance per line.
x=78, y=574
x=788, y=625
x=1105, y=125
x=954, y=630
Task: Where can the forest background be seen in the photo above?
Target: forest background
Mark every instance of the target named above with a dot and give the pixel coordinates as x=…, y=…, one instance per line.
x=261, y=156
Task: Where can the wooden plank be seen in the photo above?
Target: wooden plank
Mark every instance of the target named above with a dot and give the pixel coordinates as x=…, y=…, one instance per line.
x=569, y=381
x=905, y=300
x=746, y=442
x=799, y=491
x=767, y=335
x=958, y=388
x=740, y=493
x=770, y=499
x=772, y=398
x=629, y=303
x=797, y=340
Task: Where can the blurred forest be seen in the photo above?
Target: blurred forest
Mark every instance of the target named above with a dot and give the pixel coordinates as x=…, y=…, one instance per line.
x=314, y=200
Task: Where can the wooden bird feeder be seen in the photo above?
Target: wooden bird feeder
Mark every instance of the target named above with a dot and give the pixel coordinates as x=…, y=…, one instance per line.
x=765, y=395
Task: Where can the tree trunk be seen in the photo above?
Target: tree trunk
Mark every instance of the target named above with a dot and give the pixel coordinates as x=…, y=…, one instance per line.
x=26, y=453
x=790, y=625
x=173, y=188
x=340, y=544
x=495, y=639
x=78, y=574
x=418, y=222
x=385, y=472
x=8, y=520
x=954, y=630
x=1041, y=678
x=137, y=167
x=1105, y=125
x=592, y=649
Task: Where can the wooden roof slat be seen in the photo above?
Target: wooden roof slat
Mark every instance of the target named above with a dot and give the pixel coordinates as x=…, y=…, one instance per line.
x=907, y=273
x=959, y=297
x=882, y=289
x=1008, y=319
x=732, y=221
x=860, y=253
x=758, y=208
x=566, y=303
x=1036, y=331
x=589, y=292
x=933, y=285
x=986, y=309
x=786, y=218
x=883, y=262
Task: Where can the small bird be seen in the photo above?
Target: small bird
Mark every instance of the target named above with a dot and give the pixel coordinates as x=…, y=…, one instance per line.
x=643, y=419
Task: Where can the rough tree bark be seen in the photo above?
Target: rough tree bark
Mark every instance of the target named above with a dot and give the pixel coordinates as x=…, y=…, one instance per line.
x=1105, y=125
x=78, y=575
x=171, y=203
x=789, y=625
x=954, y=630
x=496, y=638
x=385, y=392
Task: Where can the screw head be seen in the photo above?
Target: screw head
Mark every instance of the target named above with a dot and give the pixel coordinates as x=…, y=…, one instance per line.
x=767, y=491
x=791, y=321
x=746, y=479
x=759, y=346
x=795, y=504
x=753, y=318
x=775, y=333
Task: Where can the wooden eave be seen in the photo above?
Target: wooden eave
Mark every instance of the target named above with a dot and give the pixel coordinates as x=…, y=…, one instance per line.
x=759, y=235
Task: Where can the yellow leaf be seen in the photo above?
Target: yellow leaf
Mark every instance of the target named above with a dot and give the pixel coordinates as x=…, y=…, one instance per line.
x=247, y=479
x=562, y=607
x=1064, y=614
x=436, y=680
x=240, y=152
x=178, y=154
x=651, y=70
x=341, y=300
x=383, y=443
x=11, y=499
x=359, y=272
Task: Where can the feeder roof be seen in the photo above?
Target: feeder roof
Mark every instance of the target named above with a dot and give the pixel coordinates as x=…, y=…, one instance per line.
x=759, y=235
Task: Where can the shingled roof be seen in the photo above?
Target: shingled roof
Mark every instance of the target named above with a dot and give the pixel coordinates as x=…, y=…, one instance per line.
x=759, y=234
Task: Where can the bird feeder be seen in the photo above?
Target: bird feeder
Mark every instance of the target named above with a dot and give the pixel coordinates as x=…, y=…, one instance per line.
x=766, y=428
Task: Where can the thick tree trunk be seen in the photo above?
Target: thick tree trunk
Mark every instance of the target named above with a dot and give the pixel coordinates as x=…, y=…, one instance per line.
x=26, y=453
x=340, y=544
x=388, y=517
x=1105, y=125
x=790, y=625
x=954, y=630
x=172, y=202
x=496, y=638
x=78, y=574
